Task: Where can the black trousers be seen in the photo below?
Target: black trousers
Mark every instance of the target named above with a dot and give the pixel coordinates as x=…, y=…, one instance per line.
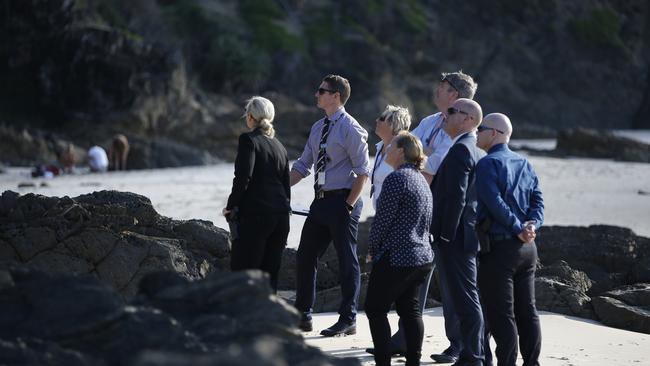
x=507, y=283
x=262, y=238
x=329, y=221
x=458, y=268
x=399, y=285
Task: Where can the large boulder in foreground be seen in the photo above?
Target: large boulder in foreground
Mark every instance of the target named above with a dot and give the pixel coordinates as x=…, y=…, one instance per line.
x=116, y=236
x=226, y=318
x=601, y=144
x=627, y=307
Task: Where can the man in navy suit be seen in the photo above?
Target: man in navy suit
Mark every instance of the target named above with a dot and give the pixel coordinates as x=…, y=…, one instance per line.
x=454, y=218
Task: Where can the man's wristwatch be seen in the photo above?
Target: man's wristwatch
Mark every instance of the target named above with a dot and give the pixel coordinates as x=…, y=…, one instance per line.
x=349, y=207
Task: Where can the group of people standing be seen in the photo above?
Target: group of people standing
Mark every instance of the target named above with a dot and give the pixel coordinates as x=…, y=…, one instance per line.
x=440, y=202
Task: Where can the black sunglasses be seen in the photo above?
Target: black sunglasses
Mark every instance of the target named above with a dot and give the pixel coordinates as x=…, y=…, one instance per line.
x=322, y=91
x=452, y=110
x=449, y=82
x=485, y=128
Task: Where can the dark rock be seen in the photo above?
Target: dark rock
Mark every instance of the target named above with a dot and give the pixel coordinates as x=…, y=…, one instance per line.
x=609, y=255
x=233, y=318
x=561, y=289
x=35, y=352
x=601, y=144
x=117, y=236
x=627, y=308
x=40, y=307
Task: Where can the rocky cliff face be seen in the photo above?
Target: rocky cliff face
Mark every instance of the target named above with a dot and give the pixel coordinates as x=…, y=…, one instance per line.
x=180, y=70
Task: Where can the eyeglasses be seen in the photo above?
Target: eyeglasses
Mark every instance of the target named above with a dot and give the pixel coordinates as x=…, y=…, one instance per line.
x=452, y=110
x=485, y=128
x=322, y=91
x=444, y=78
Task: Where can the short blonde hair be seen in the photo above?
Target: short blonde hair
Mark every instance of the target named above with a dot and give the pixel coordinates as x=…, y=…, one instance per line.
x=397, y=117
x=412, y=147
x=262, y=111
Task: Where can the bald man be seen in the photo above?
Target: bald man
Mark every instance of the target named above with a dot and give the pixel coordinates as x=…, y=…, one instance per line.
x=452, y=227
x=510, y=200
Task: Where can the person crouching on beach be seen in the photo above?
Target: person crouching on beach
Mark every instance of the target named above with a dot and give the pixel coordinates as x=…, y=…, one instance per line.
x=261, y=194
x=400, y=250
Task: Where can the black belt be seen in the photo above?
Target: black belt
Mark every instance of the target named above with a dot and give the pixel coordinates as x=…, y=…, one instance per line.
x=333, y=192
x=501, y=237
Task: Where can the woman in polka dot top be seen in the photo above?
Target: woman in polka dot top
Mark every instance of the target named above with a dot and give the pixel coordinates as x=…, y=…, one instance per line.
x=400, y=249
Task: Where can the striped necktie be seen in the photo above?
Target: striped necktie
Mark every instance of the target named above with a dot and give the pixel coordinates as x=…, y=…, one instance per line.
x=322, y=153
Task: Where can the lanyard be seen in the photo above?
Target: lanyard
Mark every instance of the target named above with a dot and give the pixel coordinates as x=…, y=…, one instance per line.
x=378, y=160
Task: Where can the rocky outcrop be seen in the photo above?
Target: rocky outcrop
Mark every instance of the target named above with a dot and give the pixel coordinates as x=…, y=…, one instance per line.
x=610, y=256
x=627, y=307
x=561, y=289
x=600, y=144
x=79, y=320
x=115, y=236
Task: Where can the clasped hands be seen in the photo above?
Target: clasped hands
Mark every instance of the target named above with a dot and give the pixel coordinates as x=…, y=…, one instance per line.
x=528, y=234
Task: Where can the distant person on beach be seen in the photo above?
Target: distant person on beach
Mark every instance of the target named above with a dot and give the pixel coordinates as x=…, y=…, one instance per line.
x=392, y=121
x=452, y=228
x=68, y=158
x=400, y=250
x=97, y=159
x=338, y=150
x=118, y=152
x=261, y=193
x=510, y=199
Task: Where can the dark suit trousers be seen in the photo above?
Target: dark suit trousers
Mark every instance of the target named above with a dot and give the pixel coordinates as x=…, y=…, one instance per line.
x=507, y=281
x=329, y=221
x=458, y=267
x=399, y=285
x=262, y=239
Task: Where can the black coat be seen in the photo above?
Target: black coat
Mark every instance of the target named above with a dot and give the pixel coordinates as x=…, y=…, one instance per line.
x=454, y=195
x=261, y=183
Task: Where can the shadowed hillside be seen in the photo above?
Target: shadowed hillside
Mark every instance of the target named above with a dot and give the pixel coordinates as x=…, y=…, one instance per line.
x=177, y=72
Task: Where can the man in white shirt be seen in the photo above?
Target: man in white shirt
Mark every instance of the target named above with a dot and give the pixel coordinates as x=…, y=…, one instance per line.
x=435, y=141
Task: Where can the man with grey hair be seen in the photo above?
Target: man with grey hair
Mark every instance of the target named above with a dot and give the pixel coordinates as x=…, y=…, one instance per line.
x=434, y=140
x=436, y=143
x=510, y=211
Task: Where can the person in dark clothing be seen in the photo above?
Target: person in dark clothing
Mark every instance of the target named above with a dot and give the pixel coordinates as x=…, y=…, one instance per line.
x=452, y=226
x=400, y=249
x=510, y=198
x=260, y=194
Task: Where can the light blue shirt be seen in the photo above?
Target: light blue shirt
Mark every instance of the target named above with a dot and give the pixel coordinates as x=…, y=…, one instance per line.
x=435, y=141
x=347, y=149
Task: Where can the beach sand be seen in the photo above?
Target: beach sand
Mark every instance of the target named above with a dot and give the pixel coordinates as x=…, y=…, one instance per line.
x=566, y=341
x=576, y=191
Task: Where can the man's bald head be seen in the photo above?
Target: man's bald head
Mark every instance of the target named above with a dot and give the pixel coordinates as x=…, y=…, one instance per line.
x=495, y=129
x=473, y=108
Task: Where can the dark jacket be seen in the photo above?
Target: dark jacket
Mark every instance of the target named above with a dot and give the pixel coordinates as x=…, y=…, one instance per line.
x=454, y=195
x=261, y=183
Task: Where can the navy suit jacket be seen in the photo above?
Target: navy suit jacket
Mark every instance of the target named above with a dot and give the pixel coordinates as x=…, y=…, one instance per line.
x=454, y=195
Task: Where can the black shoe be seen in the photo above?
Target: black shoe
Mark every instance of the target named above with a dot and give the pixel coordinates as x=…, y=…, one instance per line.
x=444, y=358
x=340, y=328
x=394, y=352
x=305, y=324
